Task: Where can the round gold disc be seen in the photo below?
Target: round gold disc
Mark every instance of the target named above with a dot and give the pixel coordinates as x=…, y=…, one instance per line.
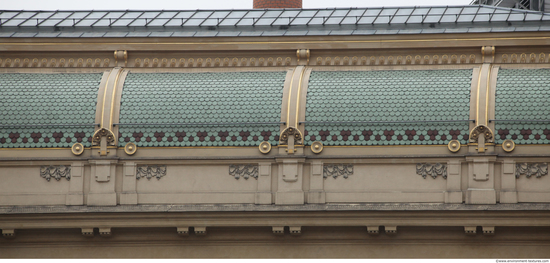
x=508, y=145
x=454, y=146
x=265, y=147
x=77, y=149
x=317, y=147
x=130, y=148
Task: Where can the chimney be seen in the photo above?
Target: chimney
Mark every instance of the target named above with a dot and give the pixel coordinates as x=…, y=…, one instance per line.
x=261, y=4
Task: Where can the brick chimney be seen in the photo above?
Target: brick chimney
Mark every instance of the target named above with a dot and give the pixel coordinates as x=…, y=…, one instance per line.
x=261, y=4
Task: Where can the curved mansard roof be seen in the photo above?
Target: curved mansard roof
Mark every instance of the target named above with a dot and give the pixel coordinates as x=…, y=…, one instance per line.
x=270, y=22
x=378, y=107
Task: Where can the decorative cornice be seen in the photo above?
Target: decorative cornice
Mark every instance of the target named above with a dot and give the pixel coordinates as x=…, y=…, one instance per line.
x=524, y=58
x=150, y=171
x=396, y=60
x=56, y=172
x=55, y=62
x=208, y=62
x=530, y=169
x=243, y=170
x=432, y=170
x=171, y=208
x=336, y=170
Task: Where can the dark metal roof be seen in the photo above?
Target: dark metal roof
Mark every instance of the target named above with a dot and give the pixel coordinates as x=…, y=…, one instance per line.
x=270, y=22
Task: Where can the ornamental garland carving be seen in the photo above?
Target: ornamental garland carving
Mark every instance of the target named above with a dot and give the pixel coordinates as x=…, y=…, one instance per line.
x=290, y=132
x=56, y=172
x=150, y=171
x=483, y=131
x=243, y=170
x=432, y=170
x=530, y=169
x=96, y=139
x=336, y=170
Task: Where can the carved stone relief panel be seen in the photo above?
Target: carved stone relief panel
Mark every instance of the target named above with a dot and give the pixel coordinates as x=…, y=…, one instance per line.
x=150, y=171
x=56, y=172
x=432, y=170
x=336, y=170
x=243, y=170
x=530, y=169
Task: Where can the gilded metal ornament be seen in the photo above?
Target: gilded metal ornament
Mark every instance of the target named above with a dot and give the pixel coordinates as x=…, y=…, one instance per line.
x=287, y=133
x=317, y=147
x=130, y=148
x=508, y=145
x=481, y=130
x=454, y=146
x=77, y=149
x=265, y=147
x=96, y=139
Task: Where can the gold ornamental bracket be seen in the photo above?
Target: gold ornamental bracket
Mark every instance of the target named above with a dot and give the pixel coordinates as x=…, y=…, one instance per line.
x=481, y=135
x=290, y=137
x=121, y=58
x=303, y=56
x=488, y=54
x=103, y=138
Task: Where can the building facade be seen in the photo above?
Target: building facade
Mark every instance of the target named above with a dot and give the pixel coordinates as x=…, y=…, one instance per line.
x=381, y=132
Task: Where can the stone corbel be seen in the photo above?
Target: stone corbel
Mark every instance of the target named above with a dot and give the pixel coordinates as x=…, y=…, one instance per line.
x=303, y=56
x=87, y=232
x=278, y=230
x=8, y=233
x=295, y=230
x=488, y=54
x=105, y=231
x=200, y=230
x=103, y=137
x=481, y=135
x=183, y=231
x=390, y=230
x=121, y=58
x=290, y=137
x=373, y=230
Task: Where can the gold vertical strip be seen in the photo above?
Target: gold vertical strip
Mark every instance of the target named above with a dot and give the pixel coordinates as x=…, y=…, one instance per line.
x=104, y=97
x=299, y=95
x=113, y=98
x=478, y=87
x=289, y=97
x=487, y=97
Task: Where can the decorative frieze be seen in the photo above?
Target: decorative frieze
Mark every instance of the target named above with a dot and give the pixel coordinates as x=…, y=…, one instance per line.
x=530, y=169
x=150, y=171
x=336, y=170
x=211, y=62
x=432, y=170
x=523, y=58
x=55, y=63
x=243, y=170
x=56, y=172
x=396, y=60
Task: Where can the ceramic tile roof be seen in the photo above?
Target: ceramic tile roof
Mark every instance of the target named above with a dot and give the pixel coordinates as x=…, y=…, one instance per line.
x=398, y=104
x=234, y=101
x=50, y=104
x=522, y=94
x=269, y=22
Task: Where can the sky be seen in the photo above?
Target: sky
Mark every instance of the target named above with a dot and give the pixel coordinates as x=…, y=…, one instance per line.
x=200, y=4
